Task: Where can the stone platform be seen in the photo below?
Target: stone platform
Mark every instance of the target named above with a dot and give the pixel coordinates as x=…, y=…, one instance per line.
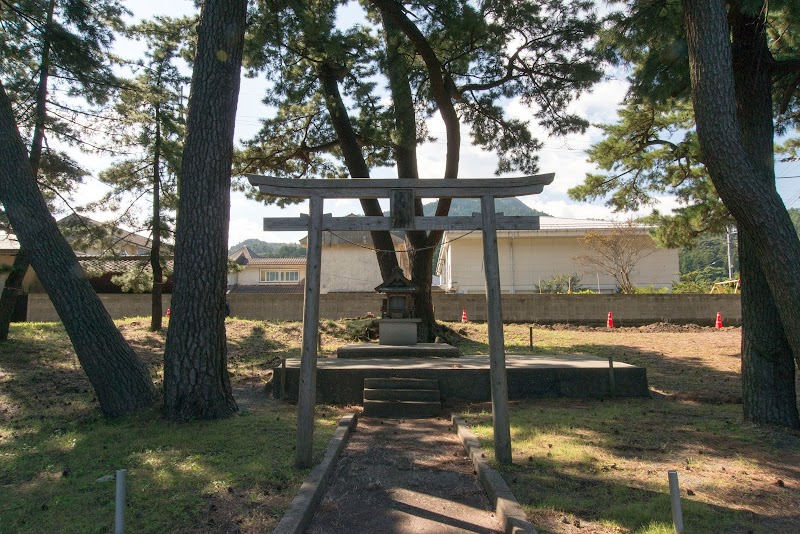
x=375, y=350
x=341, y=381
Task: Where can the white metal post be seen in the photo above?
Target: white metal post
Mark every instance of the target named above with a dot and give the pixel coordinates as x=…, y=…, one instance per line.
x=119, y=508
x=675, y=497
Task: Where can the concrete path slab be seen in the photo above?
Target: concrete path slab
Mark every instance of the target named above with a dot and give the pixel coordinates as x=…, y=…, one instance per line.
x=404, y=476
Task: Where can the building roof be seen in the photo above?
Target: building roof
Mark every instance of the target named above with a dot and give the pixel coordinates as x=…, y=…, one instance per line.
x=120, y=235
x=245, y=256
x=122, y=264
x=564, y=223
x=8, y=243
x=276, y=261
x=347, y=237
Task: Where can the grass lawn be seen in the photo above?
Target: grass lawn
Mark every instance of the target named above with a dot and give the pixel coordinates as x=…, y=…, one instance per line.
x=579, y=465
x=233, y=475
x=601, y=465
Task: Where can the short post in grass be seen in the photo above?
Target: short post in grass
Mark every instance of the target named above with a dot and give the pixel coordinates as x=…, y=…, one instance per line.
x=283, y=379
x=612, y=383
x=675, y=497
x=530, y=333
x=119, y=510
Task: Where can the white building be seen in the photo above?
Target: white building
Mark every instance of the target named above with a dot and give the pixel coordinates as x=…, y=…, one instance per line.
x=349, y=265
x=529, y=257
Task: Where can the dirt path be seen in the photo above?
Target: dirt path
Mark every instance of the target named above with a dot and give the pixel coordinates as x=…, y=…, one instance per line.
x=404, y=475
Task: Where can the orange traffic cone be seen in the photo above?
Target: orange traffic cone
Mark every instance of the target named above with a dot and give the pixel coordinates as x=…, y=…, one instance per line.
x=610, y=321
x=464, y=316
x=718, y=324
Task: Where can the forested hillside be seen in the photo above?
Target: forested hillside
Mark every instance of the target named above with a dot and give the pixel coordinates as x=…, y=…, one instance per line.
x=709, y=256
x=468, y=206
x=271, y=250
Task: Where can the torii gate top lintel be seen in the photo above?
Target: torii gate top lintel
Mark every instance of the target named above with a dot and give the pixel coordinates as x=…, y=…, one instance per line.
x=382, y=187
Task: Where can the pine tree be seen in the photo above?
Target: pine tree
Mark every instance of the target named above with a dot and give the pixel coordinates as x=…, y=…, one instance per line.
x=150, y=112
x=196, y=380
x=459, y=60
x=654, y=149
x=47, y=48
x=120, y=379
x=61, y=46
x=735, y=130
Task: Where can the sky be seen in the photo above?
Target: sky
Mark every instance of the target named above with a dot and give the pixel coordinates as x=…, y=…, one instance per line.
x=565, y=156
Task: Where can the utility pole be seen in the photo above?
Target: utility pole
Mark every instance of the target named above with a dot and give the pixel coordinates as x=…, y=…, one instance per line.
x=729, y=230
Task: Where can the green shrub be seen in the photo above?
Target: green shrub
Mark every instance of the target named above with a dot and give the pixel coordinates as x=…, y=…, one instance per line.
x=650, y=290
x=561, y=283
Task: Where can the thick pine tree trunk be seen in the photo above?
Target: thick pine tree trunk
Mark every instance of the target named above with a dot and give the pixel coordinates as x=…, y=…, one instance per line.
x=756, y=206
x=196, y=380
x=420, y=246
x=405, y=150
x=120, y=380
x=768, y=370
x=422, y=270
x=13, y=286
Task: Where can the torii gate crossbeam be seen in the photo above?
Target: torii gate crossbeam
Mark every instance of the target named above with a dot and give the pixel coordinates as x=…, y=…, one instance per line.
x=402, y=193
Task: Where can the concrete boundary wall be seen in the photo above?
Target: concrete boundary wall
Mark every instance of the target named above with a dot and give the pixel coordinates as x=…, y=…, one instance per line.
x=628, y=310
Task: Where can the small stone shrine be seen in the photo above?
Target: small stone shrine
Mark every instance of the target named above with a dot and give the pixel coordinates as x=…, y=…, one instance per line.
x=397, y=325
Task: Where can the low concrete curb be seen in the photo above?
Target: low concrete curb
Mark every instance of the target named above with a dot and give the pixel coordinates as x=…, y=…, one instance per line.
x=305, y=503
x=505, y=504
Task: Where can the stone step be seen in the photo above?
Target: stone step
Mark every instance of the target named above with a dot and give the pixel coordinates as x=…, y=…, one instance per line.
x=401, y=383
x=423, y=395
x=409, y=409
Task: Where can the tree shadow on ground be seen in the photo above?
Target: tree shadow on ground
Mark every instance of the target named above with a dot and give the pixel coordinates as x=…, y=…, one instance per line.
x=205, y=476
x=257, y=349
x=612, y=506
x=604, y=460
x=42, y=376
x=686, y=378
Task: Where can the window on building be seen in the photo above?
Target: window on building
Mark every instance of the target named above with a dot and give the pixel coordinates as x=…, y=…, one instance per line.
x=275, y=276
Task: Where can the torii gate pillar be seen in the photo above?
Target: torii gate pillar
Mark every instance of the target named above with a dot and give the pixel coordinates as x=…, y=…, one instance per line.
x=308, y=361
x=497, y=354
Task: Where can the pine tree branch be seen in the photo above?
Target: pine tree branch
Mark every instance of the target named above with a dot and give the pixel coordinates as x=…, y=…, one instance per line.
x=786, y=66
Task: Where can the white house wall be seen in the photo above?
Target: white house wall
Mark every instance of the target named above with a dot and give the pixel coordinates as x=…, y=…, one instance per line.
x=346, y=268
x=250, y=275
x=540, y=258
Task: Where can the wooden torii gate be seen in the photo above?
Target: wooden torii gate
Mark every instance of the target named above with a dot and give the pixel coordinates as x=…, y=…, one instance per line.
x=401, y=193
